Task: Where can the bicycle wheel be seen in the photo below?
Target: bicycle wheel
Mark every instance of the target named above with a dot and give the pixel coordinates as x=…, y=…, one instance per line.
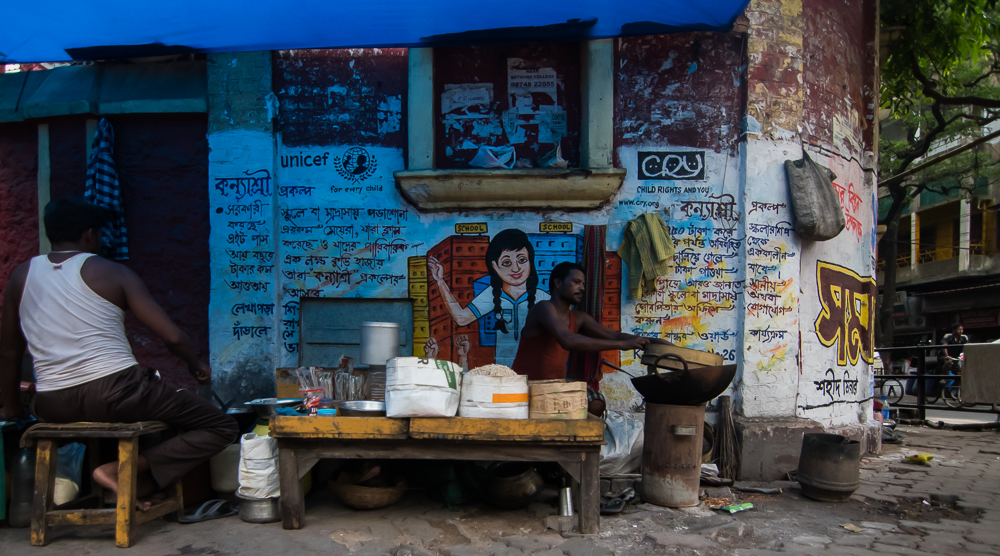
x=893, y=391
x=952, y=396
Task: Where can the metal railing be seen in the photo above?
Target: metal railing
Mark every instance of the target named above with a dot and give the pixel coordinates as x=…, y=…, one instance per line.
x=920, y=352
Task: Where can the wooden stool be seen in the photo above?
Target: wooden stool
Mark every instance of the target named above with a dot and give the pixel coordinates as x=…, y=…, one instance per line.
x=125, y=517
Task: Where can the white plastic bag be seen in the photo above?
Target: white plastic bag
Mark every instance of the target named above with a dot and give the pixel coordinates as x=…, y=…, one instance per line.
x=258, y=466
x=623, y=452
x=494, y=157
x=69, y=468
x=419, y=387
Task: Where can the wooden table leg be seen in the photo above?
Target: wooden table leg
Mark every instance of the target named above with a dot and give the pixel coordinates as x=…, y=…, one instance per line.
x=589, y=494
x=293, y=505
x=45, y=486
x=128, y=479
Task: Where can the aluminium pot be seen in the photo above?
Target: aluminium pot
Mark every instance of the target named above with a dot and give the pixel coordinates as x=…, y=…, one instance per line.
x=259, y=510
x=379, y=343
x=513, y=484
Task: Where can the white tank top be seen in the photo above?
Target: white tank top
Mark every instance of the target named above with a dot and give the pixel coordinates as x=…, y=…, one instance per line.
x=73, y=334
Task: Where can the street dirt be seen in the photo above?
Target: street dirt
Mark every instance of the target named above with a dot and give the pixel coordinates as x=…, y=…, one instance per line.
x=948, y=507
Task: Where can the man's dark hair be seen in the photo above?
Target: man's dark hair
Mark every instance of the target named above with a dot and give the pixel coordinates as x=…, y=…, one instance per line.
x=68, y=218
x=955, y=326
x=561, y=271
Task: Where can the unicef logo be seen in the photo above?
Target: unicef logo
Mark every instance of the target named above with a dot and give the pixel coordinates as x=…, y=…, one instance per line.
x=356, y=165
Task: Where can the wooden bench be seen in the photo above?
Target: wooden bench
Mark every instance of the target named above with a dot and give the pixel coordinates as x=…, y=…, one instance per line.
x=124, y=517
x=574, y=445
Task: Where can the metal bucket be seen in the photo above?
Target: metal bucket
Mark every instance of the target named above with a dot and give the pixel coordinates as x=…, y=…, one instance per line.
x=379, y=342
x=671, y=454
x=829, y=467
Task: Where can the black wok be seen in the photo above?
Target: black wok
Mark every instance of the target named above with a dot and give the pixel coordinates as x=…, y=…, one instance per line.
x=687, y=387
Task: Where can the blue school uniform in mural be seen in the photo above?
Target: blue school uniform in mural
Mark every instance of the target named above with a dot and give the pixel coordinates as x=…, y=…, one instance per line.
x=514, y=313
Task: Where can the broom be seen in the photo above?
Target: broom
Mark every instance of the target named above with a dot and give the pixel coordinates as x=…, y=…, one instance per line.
x=728, y=451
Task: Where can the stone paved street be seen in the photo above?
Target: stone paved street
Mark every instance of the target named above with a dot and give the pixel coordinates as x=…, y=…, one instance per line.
x=949, y=507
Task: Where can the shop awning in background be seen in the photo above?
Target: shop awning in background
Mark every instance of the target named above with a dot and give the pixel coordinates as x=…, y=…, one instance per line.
x=66, y=30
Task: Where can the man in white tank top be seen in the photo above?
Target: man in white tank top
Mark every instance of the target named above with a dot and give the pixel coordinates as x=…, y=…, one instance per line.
x=68, y=309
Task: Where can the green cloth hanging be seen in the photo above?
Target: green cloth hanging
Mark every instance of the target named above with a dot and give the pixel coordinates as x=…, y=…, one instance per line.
x=648, y=250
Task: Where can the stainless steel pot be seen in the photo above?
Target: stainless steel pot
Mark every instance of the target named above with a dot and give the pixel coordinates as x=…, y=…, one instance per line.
x=360, y=408
x=259, y=510
x=379, y=342
x=268, y=407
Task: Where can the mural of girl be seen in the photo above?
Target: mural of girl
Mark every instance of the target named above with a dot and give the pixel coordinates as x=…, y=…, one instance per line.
x=512, y=292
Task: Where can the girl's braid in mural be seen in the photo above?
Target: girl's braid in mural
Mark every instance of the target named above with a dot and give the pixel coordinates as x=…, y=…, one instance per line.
x=509, y=240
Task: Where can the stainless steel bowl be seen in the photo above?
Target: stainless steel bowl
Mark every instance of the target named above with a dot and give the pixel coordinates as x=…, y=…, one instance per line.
x=360, y=408
x=259, y=510
x=268, y=407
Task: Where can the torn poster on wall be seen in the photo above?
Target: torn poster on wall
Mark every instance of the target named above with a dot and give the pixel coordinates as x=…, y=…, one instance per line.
x=532, y=97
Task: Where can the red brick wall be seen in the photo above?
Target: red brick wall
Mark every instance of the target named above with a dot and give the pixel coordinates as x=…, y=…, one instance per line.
x=162, y=163
x=18, y=197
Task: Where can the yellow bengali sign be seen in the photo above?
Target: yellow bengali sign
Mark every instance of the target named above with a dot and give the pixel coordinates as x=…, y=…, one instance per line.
x=473, y=228
x=556, y=227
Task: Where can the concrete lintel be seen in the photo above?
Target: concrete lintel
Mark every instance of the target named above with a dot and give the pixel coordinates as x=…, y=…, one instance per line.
x=420, y=110
x=597, y=138
x=67, y=90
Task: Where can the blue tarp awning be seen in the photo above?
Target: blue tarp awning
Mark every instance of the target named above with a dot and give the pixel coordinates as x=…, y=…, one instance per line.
x=46, y=31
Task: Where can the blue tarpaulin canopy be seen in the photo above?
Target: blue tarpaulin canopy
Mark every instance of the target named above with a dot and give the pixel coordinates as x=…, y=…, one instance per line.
x=62, y=30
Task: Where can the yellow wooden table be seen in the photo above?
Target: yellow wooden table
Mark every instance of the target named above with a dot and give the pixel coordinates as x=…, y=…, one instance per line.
x=574, y=445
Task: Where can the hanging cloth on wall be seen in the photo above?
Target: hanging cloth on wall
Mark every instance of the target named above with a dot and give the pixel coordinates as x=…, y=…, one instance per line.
x=586, y=367
x=103, y=190
x=648, y=251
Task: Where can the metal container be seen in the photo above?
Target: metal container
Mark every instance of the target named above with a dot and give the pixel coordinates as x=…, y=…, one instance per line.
x=360, y=408
x=379, y=342
x=671, y=454
x=829, y=467
x=259, y=510
x=566, y=502
x=513, y=484
x=268, y=407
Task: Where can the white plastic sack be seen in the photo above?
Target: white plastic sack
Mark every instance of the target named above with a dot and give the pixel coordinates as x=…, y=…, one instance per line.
x=494, y=157
x=419, y=387
x=494, y=397
x=258, y=466
x=623, y=452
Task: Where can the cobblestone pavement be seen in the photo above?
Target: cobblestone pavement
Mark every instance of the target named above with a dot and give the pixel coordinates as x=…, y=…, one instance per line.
x=949, y=507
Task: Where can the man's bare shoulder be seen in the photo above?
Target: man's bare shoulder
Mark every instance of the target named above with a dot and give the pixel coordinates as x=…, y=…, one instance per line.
x=99, y=264
x=19, y=276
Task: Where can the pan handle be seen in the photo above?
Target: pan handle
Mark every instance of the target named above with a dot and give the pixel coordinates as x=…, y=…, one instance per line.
x=674, y=356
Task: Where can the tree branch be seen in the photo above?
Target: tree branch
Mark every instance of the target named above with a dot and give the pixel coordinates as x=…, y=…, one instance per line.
x=939, y=97
x=898, y=178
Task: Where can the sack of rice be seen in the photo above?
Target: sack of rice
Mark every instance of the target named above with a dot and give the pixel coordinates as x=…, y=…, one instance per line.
x=419, y=387
x=494, y=397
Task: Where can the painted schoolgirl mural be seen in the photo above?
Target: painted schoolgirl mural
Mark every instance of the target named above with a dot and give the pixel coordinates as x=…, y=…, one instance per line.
x=501, y=306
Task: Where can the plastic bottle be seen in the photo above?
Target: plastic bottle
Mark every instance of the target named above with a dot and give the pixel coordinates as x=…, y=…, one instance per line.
x=22, y=486
x=885, y=409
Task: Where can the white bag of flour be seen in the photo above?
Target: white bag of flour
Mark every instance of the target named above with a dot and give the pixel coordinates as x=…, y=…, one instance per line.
x=419, y=387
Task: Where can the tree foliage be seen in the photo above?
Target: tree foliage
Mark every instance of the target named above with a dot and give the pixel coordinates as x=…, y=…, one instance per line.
x=940, y=81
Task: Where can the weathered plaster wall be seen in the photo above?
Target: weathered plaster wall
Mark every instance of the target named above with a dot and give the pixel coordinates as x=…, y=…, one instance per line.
x=18, y=197
x=703, y=125
x=811, y=79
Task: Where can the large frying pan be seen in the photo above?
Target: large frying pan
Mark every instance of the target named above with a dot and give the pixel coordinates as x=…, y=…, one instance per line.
x=687, y=387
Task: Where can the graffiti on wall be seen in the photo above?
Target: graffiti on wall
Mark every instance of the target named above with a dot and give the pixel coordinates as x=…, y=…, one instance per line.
x=847, y=320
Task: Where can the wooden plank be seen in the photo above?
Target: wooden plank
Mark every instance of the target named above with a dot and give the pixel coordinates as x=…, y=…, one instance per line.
x=338, y=427
x=522, y=430
x=159, y=510
x=430, y=449
x=45, y=486
x=82, y=517
x=293, y=506
x=128, y=480
x=589, y=495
